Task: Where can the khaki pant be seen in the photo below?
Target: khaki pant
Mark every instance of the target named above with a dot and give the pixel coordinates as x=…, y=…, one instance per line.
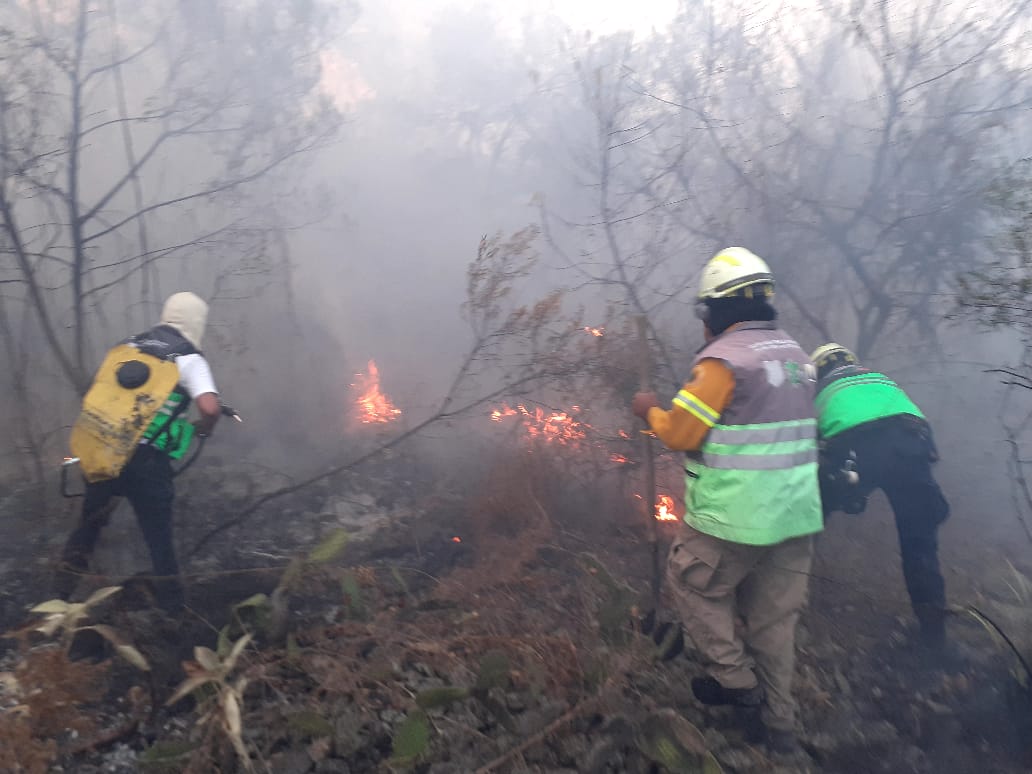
x=715, y=582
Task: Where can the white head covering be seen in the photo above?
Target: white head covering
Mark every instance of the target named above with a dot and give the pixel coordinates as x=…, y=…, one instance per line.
x=188, y=314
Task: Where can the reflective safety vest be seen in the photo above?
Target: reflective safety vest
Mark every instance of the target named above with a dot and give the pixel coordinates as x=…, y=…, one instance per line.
x=857, y=396
x=754, y=480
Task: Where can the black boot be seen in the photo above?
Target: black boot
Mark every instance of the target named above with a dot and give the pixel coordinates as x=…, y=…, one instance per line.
x=66, y=579
x=710, y=692
x=778, y=741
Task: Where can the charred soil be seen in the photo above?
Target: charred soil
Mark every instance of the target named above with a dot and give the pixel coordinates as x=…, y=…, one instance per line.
x=458, y=634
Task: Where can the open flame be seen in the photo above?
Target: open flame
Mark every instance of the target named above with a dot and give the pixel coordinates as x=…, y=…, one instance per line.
x=550, y=426
x=373, y=406
x=664, y=510
x=596, y=332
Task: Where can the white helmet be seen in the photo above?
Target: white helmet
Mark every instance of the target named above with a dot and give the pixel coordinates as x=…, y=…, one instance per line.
x=735, y=271
x=828, y=357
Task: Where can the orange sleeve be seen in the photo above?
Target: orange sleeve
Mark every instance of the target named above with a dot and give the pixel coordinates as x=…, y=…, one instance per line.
x=696, y=408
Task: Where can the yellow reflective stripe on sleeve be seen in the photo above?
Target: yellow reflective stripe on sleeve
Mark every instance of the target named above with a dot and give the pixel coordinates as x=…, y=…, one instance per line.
x=696, y=408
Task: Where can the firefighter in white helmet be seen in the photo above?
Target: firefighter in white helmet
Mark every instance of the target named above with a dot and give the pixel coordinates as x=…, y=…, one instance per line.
x=132, y=425
x=746, y=421
x=873, y=436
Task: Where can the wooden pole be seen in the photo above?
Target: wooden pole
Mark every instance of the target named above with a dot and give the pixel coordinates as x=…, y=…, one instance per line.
x=645, y=385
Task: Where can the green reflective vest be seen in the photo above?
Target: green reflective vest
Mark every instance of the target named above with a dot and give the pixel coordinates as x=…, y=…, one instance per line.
x=854, y=400
x=172, y=437
x=754, y=480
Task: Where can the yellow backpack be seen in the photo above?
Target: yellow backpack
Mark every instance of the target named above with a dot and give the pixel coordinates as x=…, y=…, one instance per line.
x=128, y=391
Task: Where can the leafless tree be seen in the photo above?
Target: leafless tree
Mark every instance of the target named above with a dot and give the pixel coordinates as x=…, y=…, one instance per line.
x=135, y=144
x=143, y=148
x=857, y=156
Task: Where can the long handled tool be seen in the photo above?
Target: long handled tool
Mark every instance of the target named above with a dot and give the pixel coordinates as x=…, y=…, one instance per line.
x=667, y=635
x=645, y=385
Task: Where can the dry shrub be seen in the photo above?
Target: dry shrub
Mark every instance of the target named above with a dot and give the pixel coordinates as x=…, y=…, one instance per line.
x=20, y=749
x=509, y=521
x=56, y=688
x=51, y=692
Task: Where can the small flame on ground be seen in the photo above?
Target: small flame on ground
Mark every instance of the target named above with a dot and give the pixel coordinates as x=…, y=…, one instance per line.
x=374, y=407
x=665, y=508
x=456, y=539
x=596, y=332
x=619, y=459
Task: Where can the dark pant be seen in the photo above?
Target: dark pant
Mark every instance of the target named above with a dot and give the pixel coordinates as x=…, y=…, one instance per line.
x=895, y=455
x=146, y=482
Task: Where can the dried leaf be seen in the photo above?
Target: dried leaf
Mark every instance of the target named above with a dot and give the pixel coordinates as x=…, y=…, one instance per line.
x=234, y=727
x=232, y=709
x=123, y=648
x=207, y=658
x=189, y=686
x=51, y=624
x=255, y=600
x=52, y=606
x=234, y=654
x=100, y=595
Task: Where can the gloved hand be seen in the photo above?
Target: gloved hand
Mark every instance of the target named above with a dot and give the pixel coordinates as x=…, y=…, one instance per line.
x=642, y=402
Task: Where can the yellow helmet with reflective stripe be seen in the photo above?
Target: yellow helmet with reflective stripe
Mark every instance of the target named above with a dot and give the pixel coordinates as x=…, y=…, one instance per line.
x=830, y=356
x=736, y=271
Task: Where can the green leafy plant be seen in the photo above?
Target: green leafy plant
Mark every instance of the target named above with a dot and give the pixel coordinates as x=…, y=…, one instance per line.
x=677, y=745
x=411, y=739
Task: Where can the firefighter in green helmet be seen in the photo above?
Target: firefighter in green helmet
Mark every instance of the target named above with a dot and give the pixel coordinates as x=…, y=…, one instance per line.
x=873, y=436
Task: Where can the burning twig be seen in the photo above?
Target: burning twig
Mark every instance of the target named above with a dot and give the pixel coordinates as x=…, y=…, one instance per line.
x=664, y=509
x=549, y=426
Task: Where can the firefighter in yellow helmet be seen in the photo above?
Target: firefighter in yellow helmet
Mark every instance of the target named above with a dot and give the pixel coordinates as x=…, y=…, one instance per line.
x=132, y=424
x=873, y=436
x=745, y=419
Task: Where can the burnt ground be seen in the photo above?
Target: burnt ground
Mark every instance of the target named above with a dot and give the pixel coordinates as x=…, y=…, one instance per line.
x=510, y=650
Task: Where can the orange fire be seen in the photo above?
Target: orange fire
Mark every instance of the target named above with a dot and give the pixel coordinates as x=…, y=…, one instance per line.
x=551, y=426
x=665, y=508
x=619, y=459
x=374, y=407
x=596, y=332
